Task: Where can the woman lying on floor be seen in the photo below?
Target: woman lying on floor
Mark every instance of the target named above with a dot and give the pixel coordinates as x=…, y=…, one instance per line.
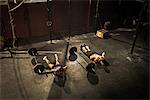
x=95, y=57
x=55, y=68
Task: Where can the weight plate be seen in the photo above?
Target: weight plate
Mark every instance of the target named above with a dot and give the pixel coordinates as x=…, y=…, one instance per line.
x=32, y=51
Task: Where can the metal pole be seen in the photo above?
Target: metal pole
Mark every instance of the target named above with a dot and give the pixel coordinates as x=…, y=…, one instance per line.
x=64, y=58
x=97, y=15
x=49, y=22
x=26, y=52
x=89, y=13
x=69, y=18
x=137, y=27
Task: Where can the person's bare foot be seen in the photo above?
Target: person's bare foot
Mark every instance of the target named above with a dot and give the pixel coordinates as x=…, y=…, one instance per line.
x=87, y=47
x=45, y=58
x=84, y=49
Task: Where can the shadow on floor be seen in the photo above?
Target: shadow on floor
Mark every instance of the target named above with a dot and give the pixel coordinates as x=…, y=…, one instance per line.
x=92, y=78
x=55, y=92
x=58, y=87
x=91, y=74
x=60, y=79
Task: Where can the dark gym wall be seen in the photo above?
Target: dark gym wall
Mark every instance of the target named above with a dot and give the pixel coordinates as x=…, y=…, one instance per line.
x=4, y=23
x=30, y=19
x=60, y=16
x=74, y=17
x=117, y=11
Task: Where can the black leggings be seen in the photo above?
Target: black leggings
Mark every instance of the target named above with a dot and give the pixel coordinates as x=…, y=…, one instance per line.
x=89, y=53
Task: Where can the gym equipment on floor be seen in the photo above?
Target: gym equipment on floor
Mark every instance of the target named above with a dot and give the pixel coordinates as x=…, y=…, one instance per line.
x=72, y=56
x=39, y=67
x=14, y=52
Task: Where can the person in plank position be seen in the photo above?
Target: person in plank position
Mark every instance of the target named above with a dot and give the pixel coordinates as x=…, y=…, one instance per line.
x=95, y=57
x=54, y=67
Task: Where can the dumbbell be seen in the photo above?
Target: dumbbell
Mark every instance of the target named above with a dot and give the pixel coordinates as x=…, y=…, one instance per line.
x=38, y=68
x=72, y=56
x=91, y=68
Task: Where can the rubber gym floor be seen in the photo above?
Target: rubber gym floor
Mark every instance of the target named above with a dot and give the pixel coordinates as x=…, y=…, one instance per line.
x=128, y=77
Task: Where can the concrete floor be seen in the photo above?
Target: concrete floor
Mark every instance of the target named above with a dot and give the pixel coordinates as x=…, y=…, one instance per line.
x=128, y=77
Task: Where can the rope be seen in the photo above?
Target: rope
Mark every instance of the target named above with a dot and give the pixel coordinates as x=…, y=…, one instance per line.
x=12, y=27
x=11, y=21
x=10, y=10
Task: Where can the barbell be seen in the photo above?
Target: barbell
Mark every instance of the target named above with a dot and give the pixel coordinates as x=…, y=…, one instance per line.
x=39, y=67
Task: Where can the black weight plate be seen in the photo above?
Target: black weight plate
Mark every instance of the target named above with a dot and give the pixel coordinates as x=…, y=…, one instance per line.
x=39, y=68
x=90, y=66
x=73, y=50
x=73, y=57
x=32, y=51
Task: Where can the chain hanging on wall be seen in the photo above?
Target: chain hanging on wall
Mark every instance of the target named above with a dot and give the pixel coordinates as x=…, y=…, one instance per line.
x=49, y=22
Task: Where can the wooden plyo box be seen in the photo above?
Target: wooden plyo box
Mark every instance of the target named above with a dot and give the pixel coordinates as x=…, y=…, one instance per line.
x=100, y=33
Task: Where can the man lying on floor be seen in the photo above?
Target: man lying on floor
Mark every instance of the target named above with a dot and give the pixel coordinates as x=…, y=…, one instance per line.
x=55, y=68
x=94, y=56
